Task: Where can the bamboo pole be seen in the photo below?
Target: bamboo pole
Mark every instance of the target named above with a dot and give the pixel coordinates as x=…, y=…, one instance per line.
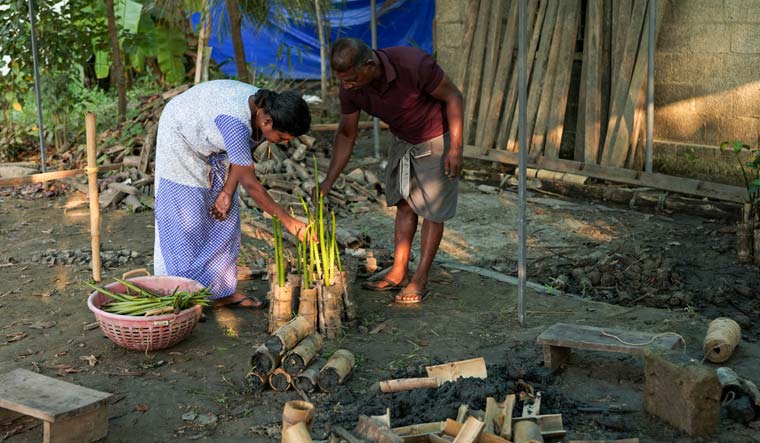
x=336, y=371
x=407, y=384
x=52, y=175
x=92, y=180
x=307, y=380
x=299, y=357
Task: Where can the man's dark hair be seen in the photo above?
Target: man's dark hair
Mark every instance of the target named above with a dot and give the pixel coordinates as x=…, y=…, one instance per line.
x=290, y=113
x=347, y=53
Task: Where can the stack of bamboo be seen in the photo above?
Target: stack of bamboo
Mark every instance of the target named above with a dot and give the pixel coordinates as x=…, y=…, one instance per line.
x=611, y=98
x=290, y=359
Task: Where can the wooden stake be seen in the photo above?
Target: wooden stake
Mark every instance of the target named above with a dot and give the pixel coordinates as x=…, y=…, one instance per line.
x=336, y=371
x=297, y=433
x=306, y=381
x=279, y=380
x=299, y=357
x=408, y=384
x=92, y=181
x=490, y=415
x=504, y=416
x=262, y=361
x=287, y=336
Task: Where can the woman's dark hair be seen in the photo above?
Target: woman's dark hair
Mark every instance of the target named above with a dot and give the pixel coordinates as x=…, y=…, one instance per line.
x=290, y=113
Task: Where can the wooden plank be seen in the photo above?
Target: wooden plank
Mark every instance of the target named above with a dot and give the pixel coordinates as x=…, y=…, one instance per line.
x=619, y=175
x=562, y=83
x=606, y=68
x=46, y=398
x=536, y=75
x=621, y=84
x=503, y=70
x=590, y=107
x=470, y=21
x=616, y=151
x=489, y=67
x=48, y=176
x=538, y=133
x=88, y=427
x=510, y=105
x=476, y=67
x=621, y=18
x=591, y=338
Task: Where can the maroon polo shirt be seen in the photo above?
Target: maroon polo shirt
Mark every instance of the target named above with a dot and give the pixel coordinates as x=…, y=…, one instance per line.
x=404, y=101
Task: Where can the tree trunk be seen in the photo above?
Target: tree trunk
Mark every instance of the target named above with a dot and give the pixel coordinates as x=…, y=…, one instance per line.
x=117, y=70
x=236, y=19
x=203, y=34
x=322, y=52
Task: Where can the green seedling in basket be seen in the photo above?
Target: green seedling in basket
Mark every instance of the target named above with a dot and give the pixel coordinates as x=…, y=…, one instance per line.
x=141, y=301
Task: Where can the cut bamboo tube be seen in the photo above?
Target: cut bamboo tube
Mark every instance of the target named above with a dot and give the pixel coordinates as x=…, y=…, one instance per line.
x=296, y=434
x=307, y=306
x=336, y=371
x=262, y=361
x=92, y=182
x=279, y=380
x=306, y=381
x=453, y=427
x=504, y=416
x=407, y=384
x=371, y=430
x=527, y=431
x=470, y=430
x=462, y=412
x=287, y=336
x=331, y=303
x=256, y=382
x=490, y=415
x=297, y=411
x=299, y=357
x=472, y=368
x=384, y=419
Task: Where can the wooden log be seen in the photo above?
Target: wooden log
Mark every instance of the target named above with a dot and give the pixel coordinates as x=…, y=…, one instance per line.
x=470, y=22
x=147, y=148
x=489, y=123
x=475, y=67
x=622, y=82
x=408, y=384
x=263, y=362
x=537, y=14
x=536, y=74
x=590, y=107
x=545, y=105
x=92, y=179
x=288, y=335
x=304, y=353
x=306, y=381
x=453, y=427
x=336, y=370
x=469, y=431
x=297, y=433
x=504, y=416
x=489, y=69
x=297, y=411
x=279, y=380
x=561, y=89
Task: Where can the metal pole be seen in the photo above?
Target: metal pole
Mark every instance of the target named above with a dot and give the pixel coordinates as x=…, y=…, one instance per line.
x=37, y=88
x=522, y=89
x=650, y=84
x=373, y=32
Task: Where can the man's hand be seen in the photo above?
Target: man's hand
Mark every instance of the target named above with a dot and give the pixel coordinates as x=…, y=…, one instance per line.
x=221, y=206
x=324, y=189
x=452, y=165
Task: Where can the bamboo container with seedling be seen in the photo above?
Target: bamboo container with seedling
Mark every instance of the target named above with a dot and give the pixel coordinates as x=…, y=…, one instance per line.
x=281, y=294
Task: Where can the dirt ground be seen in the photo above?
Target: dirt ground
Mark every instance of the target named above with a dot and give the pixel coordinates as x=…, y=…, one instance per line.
x=195, y=390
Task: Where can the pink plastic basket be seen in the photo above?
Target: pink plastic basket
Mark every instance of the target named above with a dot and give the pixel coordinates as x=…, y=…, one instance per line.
x=147, y=333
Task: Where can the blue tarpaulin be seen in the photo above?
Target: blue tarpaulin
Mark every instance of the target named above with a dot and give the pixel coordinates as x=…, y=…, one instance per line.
x=292, y=51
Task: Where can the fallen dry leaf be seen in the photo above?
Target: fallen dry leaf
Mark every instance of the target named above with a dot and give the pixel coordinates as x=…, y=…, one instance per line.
x=61, y=354
x=16, y=336
x=91, y=359
x=27, y=353
x=378, y=328
x=66, y=369
x=141, y=408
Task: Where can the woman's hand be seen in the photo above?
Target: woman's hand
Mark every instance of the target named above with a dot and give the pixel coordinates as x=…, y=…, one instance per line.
x=221, y=206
